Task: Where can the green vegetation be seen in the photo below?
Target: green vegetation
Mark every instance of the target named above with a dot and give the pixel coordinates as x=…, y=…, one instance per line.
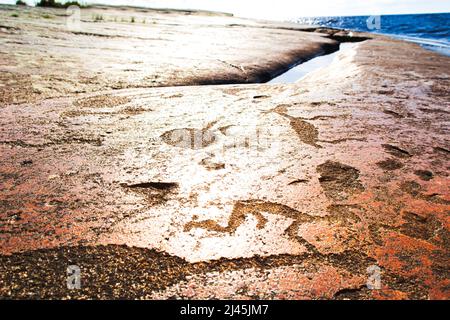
x=56, y=4
x=133, y=20
x=15, y=15
x=20, y=3
x=97, y=17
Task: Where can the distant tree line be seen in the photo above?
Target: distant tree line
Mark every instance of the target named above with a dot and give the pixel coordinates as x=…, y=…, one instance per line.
x=56, y=4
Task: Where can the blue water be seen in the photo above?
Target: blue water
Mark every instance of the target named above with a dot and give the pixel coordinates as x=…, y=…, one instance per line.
x=432, y=31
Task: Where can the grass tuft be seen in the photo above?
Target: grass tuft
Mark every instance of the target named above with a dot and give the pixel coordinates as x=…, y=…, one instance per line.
x=97, y=17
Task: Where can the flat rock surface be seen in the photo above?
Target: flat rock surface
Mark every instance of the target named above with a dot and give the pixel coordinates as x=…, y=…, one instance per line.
x=44, y=54
x=295, y=191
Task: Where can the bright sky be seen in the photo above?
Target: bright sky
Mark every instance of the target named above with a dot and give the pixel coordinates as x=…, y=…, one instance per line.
x=285, y=9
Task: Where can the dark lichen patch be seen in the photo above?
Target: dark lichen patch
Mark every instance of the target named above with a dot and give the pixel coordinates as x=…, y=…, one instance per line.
x=385, y=92
x=306, y=131
x=341, y=140
x=106, y=272
x=153, y=185
x=9, y=29
x=411, y=187
x=155, y=192
x=326, y=117
x=415, y=190
x=232, y=91
x=413, y=287
x=133, y=110
x=70, y=138
x=434, y=111
x=396, y=151
x=390, y=164
x=339, y=180
x=393, y=113
x=92, y=34
x=351, y=260
x=359, y=293
x=441, y=150
x=317, y=103
x=101, y=101
x=417, y=226
x=210, y=165
x=16, y=88
x=26, y=162
x=440, y=89
x=122, y=272
x=424, y=174
x=440, y=265
x=297, y=181
x=343, y=213
x=281, y=109
x=189, y=138
x=176, y=95
x=81, y=140
x=224, y=129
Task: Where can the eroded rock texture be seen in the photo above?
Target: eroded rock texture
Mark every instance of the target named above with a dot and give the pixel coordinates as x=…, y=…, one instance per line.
x=292, y=191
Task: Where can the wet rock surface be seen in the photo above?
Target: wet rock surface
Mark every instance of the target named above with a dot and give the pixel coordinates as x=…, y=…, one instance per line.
x=295, y=191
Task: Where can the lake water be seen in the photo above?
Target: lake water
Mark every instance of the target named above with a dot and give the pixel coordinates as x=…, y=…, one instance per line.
x=300, y=71
x=432, y=31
